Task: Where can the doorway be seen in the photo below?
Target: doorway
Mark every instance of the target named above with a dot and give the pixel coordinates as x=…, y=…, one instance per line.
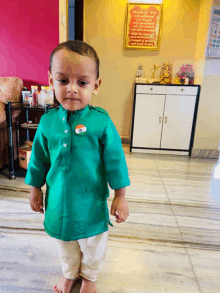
x=75, y=18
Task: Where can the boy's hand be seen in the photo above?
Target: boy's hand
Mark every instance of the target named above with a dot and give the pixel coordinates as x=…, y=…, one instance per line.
x=36, y=199
x=119, y=207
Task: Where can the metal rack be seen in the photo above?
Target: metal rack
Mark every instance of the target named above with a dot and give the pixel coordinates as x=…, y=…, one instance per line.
x=8, y=110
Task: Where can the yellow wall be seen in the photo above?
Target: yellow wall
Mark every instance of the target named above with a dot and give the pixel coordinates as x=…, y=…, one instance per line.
x=207, y=132
x=184, y=35
x=203, y=23
x=104, y=30
x=63, y=20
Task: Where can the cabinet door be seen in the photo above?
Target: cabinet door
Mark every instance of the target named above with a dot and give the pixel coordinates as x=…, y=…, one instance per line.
x=178, y=119
x=148, y=119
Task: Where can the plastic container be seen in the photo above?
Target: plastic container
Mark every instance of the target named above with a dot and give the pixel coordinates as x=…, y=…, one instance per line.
x=50, y=94
x=46, y=96
x=26, y=98
x=42, y=96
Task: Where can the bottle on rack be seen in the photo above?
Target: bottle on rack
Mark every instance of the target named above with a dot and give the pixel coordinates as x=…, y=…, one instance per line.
x=50, y=96
x=43, y=95
x=34, y=92
x=39, y=97
x=35, y=98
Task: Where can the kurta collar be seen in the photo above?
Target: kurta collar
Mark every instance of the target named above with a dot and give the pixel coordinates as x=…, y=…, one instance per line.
x=63, y=112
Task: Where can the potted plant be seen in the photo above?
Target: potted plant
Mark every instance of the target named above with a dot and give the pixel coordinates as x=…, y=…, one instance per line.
x=186, y=71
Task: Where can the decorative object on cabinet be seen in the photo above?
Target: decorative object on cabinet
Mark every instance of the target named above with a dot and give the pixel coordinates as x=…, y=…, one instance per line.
x=143, y=26
x=153, y=80
x=166, y=73
x=213, y=40
x=186, y=71
x=140, y=75
x=176, y=80
x=164, y=119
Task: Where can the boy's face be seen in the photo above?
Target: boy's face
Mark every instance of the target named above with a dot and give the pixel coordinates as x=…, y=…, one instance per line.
x=73, y=78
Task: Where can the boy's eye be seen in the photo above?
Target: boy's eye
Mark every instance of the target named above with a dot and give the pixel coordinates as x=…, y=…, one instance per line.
x=62, y=80
x=83, y=83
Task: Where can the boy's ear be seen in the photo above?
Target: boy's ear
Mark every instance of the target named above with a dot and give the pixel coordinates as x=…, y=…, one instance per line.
x=50, y=81
x=97, y=85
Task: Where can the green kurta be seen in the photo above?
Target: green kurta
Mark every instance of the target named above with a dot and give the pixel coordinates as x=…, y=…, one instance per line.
x=77, y=165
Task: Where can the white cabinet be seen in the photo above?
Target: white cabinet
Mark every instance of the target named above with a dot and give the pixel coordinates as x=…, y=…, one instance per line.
x=148, y=120
x=164, y=118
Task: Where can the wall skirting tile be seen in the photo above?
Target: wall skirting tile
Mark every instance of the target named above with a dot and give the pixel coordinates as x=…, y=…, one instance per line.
x=125, y=140
x=208, y=154
x=196, y=153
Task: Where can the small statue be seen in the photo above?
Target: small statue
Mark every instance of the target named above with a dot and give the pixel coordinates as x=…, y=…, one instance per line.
x=140, y=75
x=140, y=72
x=166, y=73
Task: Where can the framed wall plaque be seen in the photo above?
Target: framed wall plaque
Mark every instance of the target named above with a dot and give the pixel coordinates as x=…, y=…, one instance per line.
x=213, y=41
x=143, y=26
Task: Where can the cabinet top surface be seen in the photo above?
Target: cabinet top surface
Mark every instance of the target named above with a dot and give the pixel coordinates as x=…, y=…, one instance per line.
x=159, y=84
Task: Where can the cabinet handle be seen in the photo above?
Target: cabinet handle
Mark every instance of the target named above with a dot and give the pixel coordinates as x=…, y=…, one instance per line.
x=182, y=90
x=151, y=88
x=165, y=119
x=160, y=119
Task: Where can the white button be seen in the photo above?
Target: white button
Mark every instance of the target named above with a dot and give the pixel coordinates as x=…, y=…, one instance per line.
x=66, y=131
x=63, y=119
x=65, y=145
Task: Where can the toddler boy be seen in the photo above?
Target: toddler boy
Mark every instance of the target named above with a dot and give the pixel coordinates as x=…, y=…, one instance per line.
x=77, y=151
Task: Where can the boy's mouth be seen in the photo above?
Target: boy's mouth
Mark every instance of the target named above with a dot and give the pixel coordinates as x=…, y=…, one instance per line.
x=72, y=99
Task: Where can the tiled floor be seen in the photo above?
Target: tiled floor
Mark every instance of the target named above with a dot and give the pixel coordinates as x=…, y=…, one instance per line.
x=169, y=243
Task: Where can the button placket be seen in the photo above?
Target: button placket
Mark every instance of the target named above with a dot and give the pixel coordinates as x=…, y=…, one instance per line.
x=66, y=138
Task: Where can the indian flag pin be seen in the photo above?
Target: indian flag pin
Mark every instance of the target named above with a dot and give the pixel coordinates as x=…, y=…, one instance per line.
x=80, y=129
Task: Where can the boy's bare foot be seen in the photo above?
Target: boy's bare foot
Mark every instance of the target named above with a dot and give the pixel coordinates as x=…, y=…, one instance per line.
x=64, y=285
x=88, y=287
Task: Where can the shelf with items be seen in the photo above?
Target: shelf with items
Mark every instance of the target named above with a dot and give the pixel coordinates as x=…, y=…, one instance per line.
x=29, y=126
x=25, y=126
x=36, y=97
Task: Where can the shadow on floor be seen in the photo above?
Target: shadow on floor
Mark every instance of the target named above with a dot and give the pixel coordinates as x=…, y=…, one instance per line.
x=77, y=287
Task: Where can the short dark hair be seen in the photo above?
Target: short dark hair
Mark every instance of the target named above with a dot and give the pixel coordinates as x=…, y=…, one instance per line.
x=78, y=47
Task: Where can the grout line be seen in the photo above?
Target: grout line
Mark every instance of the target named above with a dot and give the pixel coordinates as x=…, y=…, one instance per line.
x=179, y=228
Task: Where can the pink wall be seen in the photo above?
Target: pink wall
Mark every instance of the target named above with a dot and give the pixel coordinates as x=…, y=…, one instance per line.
x=29, y=31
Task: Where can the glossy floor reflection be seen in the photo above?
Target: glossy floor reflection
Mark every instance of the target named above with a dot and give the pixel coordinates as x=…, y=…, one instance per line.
x=170, y=242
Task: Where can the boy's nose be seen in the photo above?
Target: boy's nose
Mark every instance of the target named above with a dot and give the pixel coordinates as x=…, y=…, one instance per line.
x=73, y=88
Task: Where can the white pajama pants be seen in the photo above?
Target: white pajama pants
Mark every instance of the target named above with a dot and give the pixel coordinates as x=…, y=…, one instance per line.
x=83, y=257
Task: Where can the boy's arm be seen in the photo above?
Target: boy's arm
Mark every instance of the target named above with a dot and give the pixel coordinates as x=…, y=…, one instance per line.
x=116, y=170
x=36, y=199
x=114, y=158
x=39, y=164
x=119, y=207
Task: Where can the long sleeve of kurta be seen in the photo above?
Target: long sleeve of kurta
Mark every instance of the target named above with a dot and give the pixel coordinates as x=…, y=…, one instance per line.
x=114, y=158
x=39, y=161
